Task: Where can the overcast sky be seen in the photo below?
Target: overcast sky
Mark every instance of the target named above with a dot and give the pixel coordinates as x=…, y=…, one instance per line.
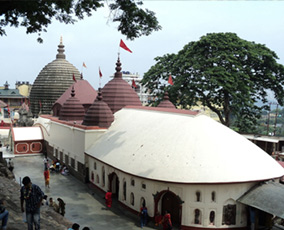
x=95, y=41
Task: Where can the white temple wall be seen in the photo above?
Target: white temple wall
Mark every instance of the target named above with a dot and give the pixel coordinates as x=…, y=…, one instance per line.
x=70, y=140
x=224, y=194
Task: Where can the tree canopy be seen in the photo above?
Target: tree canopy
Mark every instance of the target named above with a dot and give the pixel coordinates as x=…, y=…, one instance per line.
x=37, y=15
x=229, y=75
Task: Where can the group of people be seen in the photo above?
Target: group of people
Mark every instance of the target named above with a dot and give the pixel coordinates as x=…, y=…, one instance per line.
x=34, y=198
x=76, y=226
x=60, y=207
x=56, y=167
x=165, y=220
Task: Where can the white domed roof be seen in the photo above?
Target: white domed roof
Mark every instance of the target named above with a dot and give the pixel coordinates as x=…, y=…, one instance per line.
x=181, y=148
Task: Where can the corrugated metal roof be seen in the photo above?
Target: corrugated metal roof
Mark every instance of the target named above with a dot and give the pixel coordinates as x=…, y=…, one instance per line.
x=267, y=197
x=10, y=93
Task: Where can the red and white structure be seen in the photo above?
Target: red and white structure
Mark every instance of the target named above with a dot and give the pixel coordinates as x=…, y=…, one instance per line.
x=26, y=140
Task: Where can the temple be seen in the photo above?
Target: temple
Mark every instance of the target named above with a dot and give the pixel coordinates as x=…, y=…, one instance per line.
x=166, y=158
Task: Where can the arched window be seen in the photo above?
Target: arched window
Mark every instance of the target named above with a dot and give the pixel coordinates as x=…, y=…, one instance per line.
x=132, y=182
x=213, y=196
x=95, y=165
x=142, y=202
x=124, y=189
x=132, y=199
x=97, y=179
x=92, y=176
x=197, y=216
x=198, y=196
x=143, y=185
x=212, y=218
x=103, y=176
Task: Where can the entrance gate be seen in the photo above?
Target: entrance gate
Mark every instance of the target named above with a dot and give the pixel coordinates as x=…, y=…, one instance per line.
x=113, y=184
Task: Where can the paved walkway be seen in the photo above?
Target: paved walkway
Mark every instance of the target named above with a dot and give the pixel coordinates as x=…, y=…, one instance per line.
x=83, y=206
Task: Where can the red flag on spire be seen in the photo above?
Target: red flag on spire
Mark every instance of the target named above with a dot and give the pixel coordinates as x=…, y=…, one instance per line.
x=122, y=45
x=100, y=73
x=84, y=65
x=134, y=84
x=74, y=79
x=170, y=81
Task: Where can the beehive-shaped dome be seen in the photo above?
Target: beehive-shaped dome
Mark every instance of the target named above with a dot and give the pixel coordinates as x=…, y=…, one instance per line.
x=166, y=103
x=53, y=80
x=72, y=109
x=99, y=114
x=118, y=93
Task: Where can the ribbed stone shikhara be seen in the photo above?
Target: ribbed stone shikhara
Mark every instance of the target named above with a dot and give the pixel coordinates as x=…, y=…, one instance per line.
x=118, y=93
x=53, y=80
x=99, y=114
x=72, y=109
x=166, y=103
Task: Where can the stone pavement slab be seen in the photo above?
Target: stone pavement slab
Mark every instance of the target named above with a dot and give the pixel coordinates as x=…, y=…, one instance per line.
x=83, y=205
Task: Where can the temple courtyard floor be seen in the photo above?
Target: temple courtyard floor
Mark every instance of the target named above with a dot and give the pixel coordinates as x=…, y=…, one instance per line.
x=84, y=205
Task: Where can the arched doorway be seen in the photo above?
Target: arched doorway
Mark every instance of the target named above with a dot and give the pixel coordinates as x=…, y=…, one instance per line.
x=113, y=184
x=168, y=201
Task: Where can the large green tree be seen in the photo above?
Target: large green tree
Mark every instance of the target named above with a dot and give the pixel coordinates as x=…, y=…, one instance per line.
x=223, y=72
x=36, y=15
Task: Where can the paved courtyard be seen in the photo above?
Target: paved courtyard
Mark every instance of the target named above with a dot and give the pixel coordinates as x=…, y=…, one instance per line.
x=83, y=205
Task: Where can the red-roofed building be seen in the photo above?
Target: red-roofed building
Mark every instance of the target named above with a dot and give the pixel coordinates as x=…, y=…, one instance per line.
x=85, y=93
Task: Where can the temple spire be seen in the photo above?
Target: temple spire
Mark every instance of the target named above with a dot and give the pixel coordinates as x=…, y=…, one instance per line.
x=73, y=92
x=118, y=74
x=60, y=50
x=99, y=97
